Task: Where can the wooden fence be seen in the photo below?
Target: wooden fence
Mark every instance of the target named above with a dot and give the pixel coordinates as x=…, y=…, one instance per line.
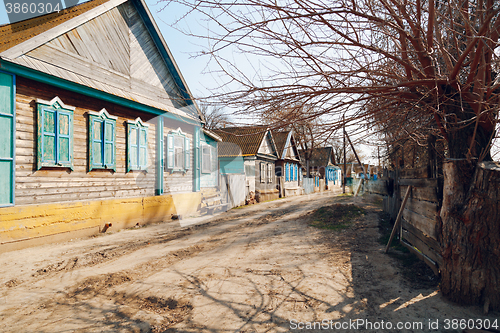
x=418, y=225
x=418, y=228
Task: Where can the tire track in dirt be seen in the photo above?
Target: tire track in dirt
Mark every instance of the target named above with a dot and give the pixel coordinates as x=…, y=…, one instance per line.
x=215, y=239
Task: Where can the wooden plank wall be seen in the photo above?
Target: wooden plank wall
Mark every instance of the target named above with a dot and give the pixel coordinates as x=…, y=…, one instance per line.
x=418, y=225
x=61, y=184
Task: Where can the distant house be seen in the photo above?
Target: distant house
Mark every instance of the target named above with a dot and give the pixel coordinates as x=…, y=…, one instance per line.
x=322, y=165
x=98, y=126
x=259, y=155
x=288, y=166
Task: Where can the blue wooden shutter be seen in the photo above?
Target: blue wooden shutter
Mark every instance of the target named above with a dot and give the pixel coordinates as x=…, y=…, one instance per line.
x=132, y=156
x=143, y=148
x=7, y=139
x=296, y=172
x=64, y=137
x=96, y=133
x=187, y=154
x=109, y=145
x=170, y=151
x=48, y=136
x=287, y=172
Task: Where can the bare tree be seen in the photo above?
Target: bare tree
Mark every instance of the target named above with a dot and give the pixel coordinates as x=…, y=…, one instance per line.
x=408, y=68
x=214, y=116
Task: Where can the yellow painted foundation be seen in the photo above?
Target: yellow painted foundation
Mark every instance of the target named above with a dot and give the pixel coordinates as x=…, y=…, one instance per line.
x=26, y=223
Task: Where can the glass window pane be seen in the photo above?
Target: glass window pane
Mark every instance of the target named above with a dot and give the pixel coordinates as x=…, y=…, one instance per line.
x=179, y=142
x=63, y=124
x=179, y=158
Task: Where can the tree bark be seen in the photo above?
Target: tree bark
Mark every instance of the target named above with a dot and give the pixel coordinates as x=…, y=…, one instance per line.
x=470, y=233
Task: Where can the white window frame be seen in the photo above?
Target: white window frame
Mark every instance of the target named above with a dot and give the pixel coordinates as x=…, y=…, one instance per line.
x=204, y=158
x=262, y=172
x=270, y=173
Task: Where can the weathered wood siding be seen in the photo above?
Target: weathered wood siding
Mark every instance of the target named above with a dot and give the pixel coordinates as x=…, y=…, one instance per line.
x=114, y=53
x=61, y=184
x=265, y=191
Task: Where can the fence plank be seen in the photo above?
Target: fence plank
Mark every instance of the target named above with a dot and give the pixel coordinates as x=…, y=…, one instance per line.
x=429, y=182
x=424, y=258
x=422, y=246
x=425, y=208
x=431, y=242
x=414, y=173
x=422, y=223
x=422, y=193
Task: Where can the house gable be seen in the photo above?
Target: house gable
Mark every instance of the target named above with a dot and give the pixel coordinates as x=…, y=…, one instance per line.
x=117, y=52
x=266, y=146
x=291, y=148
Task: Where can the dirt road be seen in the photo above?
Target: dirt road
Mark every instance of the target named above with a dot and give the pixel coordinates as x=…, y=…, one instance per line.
x=261, y=268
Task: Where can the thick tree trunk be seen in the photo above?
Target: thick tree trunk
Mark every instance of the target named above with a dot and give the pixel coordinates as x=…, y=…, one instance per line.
x=470, y=233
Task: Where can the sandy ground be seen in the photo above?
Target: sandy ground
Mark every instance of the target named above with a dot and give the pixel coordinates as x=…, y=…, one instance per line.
x=261, y=268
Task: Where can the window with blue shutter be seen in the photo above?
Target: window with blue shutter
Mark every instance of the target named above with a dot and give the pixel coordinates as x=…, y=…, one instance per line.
x=178, y=151
x=287, y=172
x=102, y=140
x=137, y=145
x=295, y=172
x=55, y=134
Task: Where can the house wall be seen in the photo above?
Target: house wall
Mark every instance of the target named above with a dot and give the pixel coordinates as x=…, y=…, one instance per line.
x=291, y=187
x=267, y=190
x=55, y=204
x=50, y=185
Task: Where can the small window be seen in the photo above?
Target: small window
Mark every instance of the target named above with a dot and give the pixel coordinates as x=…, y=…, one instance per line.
x=55, y=134
x=177, y=151
x=269, y=173
x=287, y=172
x=102, y=138
x=262, y=172
x=206, y=159
x=137, y=145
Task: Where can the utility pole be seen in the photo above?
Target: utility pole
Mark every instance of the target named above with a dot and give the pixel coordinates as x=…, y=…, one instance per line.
x=344, y=173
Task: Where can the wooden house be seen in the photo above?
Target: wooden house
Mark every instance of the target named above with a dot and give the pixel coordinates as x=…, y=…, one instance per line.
x=97, y=126
x=288, y=165
x=322, y=165
x=259, y=155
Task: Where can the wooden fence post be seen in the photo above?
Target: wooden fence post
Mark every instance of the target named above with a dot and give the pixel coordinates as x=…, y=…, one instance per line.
x=398, y=219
